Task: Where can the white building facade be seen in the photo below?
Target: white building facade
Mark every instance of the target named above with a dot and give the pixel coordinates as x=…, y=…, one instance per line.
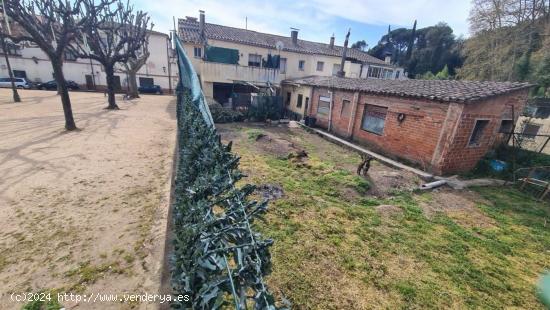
x=29, y=61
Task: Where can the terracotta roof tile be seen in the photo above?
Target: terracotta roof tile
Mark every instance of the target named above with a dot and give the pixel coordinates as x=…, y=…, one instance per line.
x=437, y=90
x=189, y=32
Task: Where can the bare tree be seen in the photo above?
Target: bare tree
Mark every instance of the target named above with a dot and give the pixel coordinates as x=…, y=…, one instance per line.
x=132, y=66
x=16, y=97
x=51, y=24
x=113, y=34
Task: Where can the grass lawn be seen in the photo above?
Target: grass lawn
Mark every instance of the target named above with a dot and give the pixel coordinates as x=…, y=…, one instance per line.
x=345, y=242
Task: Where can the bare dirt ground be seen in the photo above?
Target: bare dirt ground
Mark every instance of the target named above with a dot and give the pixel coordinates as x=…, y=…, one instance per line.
x=83, y=211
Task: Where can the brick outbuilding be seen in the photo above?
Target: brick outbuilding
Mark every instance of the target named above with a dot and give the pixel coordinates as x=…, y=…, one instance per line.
x=443, y=126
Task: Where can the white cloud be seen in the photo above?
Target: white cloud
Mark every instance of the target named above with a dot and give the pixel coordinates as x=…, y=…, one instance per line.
x=316, y=17
x=400, y=12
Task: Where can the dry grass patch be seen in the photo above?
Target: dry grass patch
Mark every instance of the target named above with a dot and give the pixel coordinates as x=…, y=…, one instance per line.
x=341, y=245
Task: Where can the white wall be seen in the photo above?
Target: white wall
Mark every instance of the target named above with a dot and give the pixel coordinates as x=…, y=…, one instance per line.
x=38, y=67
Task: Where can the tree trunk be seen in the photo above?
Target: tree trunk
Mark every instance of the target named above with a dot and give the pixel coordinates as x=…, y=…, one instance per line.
x=110, y=74
x=64, y=93
x=133, y=93
x=16, y=97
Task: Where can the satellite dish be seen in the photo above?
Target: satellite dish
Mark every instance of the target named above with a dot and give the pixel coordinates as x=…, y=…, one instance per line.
x=279, y=45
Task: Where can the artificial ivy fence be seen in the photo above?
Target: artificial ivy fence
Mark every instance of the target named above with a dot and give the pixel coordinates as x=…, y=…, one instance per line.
x=218, y=259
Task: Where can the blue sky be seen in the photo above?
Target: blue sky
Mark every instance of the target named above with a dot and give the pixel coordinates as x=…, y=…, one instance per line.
x=316, y=19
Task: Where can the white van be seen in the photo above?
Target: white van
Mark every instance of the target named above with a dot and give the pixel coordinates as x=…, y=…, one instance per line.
x=19, y=83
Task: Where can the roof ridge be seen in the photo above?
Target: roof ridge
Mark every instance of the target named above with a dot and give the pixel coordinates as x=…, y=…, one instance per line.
x=275, y=35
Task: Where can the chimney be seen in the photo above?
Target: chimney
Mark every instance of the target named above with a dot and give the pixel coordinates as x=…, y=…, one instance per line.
x=387, y=59
x=201, y=24
x=294, y=35
x=332, y=42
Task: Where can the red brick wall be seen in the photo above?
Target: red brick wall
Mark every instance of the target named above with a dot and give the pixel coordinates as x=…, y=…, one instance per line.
x=414, y=139
x=458, y=156
x=433, y=134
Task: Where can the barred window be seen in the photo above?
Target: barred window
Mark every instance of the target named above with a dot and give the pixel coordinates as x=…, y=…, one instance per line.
x=477, y=133
x=324, y=105
x=374, y=119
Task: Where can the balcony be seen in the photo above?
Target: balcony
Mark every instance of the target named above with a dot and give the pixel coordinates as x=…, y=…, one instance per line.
x=227, y=73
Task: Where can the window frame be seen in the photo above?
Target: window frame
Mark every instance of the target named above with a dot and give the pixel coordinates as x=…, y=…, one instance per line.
x=348, y=114
x=319, y=105
x=69, y=56
x=500, y=130
x=478, y=143
x=282, y=69
x=253, y=63
x=322, y=64
x=299, y=101
x=528, y=136
x=301, y=65
x=365, y=115
x=146, y=84
x=197, y=52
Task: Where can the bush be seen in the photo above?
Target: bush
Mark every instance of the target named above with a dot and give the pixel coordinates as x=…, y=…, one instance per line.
x=224, y=115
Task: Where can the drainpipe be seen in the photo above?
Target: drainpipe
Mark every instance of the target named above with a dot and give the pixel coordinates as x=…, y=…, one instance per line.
x=330, y=110
x=355, y=103
x=168, y=41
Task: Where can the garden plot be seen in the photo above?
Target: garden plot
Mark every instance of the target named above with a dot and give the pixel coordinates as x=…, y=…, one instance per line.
x=346, y=242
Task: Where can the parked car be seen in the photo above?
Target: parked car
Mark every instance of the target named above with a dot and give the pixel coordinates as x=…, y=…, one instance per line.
x=19, y=83
x=52, y=85
x=150, y=89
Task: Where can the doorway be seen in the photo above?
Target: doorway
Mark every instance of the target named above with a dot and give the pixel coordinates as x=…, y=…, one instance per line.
x=89, y=82
x=116, y=80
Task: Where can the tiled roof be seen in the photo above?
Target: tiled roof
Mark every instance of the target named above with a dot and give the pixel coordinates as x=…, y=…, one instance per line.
x=437, y=90
x=189, y=32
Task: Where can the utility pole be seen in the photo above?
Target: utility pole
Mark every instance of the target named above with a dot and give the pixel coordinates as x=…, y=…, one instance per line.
x=16, y=97
x=341, y=72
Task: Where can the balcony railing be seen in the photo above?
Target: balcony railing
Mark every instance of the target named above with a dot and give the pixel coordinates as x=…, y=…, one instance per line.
x=227, y=73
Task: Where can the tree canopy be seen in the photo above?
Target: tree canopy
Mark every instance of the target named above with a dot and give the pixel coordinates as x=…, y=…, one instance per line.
x=421, y=51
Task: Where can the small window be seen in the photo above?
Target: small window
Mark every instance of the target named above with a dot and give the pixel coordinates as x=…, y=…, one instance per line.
x=282, y=65
x=299, y=102
x=12, y=49
x=288, y=97
x=477, y=133
x=254, y=60
x=397, y=73
x=320, y=66
x=345, y=111
x=374, y=119
x=530, y=131
x=374, y=72
x=506, y=126
x=335, y=69
x=197, y=52
x=20, y=74
x=302, y=65
x=143, y=81
x=70, y=56
x=542, y=112
x=324, y=105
